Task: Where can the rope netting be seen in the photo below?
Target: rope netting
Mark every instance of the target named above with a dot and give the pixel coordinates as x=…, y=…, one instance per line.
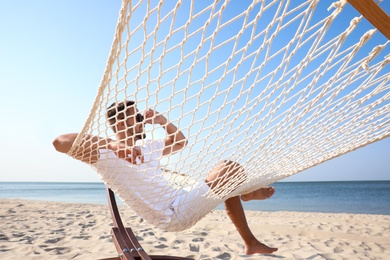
x=277, y=86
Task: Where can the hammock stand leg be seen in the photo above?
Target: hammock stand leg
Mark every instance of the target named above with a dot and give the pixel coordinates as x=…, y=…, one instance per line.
x=125, y=241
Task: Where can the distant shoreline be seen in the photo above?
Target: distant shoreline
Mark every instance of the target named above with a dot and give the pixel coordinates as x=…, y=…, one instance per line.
x=289, y=196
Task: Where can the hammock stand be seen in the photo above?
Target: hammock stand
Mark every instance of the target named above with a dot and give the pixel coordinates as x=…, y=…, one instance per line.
x=125, y=241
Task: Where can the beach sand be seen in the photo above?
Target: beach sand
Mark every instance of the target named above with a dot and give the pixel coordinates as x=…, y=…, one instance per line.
x=52, y=230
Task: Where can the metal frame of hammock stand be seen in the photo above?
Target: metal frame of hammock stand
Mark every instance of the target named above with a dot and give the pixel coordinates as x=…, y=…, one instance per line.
x=124, y=239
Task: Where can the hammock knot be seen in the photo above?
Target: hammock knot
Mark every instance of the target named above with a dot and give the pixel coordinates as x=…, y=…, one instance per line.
x=354, y=22
x=352, y=25
x=375, y=51
x=363, y=40
x=367, y=36
x=339, y=5
x=387, y=60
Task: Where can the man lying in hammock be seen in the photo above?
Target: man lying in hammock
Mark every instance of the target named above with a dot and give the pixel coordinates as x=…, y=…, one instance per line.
x=129, y=165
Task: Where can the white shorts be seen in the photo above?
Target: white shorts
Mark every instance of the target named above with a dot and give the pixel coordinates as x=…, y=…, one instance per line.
x=191, y=206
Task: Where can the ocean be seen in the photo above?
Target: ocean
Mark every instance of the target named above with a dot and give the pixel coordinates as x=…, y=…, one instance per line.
x=357, y=197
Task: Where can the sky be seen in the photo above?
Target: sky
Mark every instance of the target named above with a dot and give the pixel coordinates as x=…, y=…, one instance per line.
x=52, y=58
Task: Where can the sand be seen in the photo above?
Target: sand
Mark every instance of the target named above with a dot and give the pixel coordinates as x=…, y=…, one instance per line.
x=52, y=230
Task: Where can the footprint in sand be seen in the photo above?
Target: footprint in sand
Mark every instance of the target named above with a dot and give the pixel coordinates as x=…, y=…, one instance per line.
x=161, y=246
x=53, y=240
x=194, y=248
x=18, y=234
x=3, y=249
x=3, y=237
x=58, y=250
x=27, y=239
x=224, y=256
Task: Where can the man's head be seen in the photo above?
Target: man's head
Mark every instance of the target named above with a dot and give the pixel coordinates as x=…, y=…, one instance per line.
x=125, y=120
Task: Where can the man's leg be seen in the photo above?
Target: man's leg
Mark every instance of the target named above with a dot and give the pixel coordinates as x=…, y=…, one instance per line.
x=237, y=215
x=219, y=180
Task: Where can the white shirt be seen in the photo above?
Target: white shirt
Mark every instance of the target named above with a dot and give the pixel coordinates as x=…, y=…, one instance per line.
x=142, y=186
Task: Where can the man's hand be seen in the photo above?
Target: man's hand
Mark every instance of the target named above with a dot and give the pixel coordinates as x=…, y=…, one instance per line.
x=125, y=152
x=154, y=117
x=175, y=139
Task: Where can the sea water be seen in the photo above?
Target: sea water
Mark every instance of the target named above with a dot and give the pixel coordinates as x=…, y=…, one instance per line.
x=358, y=197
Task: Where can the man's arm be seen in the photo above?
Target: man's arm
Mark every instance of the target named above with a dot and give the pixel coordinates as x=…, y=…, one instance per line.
x=175, y=140
x=88, y=150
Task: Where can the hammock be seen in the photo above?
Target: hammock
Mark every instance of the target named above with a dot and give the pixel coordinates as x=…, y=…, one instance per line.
x=276, y=86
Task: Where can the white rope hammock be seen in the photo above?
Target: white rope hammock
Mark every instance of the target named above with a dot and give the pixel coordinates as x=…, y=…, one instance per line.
x=277, y=86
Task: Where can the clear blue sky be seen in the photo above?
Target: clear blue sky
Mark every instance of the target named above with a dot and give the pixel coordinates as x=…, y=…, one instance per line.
x=52, y=58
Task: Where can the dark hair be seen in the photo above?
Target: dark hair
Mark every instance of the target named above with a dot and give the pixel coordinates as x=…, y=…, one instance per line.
x=117, y=110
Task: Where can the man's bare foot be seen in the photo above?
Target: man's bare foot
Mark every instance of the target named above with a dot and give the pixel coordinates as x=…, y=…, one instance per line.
x=259, y=248
x=260, y=194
